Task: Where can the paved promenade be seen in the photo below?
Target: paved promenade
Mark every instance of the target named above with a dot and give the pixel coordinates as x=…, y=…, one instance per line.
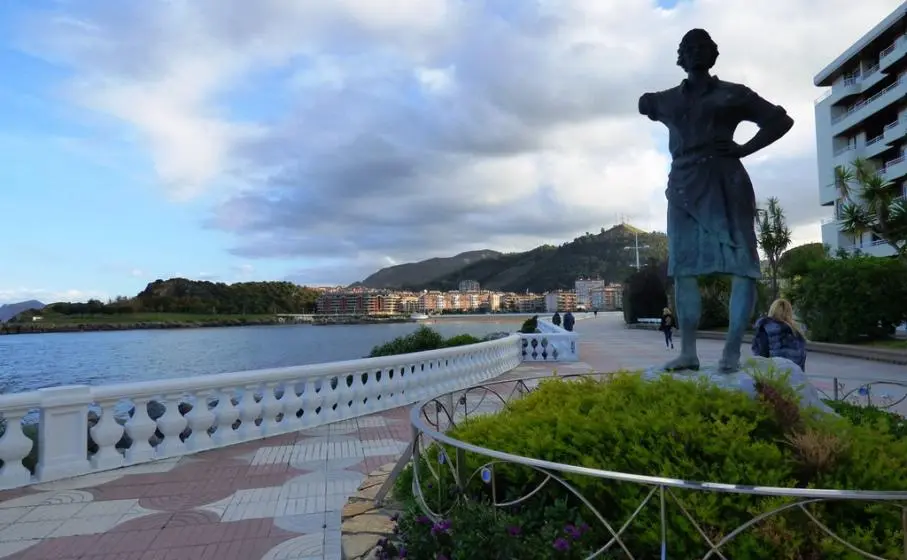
x=278, y=498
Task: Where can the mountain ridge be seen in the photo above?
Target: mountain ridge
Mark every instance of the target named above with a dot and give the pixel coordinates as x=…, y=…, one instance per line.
x=10, y=310
x=607, y=255
x=420, y=272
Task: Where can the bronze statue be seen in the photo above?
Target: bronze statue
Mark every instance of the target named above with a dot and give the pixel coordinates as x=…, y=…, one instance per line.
x=711, y=203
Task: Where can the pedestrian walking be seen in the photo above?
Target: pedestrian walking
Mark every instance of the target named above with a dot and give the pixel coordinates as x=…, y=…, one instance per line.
x=667, y=326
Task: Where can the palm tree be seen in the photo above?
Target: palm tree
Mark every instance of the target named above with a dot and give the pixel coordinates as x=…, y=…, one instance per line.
x=774, y=238
x=871, y=204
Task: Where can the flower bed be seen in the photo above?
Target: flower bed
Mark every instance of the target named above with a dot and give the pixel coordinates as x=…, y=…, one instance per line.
x=467, y=505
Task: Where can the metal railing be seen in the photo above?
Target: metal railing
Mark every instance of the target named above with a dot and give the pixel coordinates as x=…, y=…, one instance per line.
x=431, y=419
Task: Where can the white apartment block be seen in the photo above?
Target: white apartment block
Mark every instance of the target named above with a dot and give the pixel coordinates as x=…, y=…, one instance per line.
x=584, y=289
x=864, y=114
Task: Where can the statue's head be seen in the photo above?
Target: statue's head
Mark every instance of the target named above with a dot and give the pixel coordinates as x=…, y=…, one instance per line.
x=697, y=51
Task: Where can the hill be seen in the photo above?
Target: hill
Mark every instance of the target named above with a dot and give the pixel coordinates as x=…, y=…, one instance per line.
x=424, y=272
x=10, y=310
x=603, y=255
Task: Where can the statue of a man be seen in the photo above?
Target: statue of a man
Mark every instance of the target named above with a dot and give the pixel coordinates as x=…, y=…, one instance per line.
x=711, y=203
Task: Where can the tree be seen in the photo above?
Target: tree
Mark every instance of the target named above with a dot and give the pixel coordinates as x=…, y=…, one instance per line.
x=798, y=260
x=773, y=237
x=872, y=204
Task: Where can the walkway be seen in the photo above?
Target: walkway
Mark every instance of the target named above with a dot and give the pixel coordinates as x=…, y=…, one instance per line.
x=278, y=498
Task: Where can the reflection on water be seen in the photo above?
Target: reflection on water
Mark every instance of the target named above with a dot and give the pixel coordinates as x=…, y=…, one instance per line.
x=42, y=360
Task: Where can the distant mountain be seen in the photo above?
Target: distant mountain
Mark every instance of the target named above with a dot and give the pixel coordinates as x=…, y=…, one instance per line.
x=424, y=272
x=10, y=310
x=608, y=255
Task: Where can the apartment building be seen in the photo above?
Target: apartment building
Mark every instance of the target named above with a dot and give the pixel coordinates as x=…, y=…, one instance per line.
x=608, y=298
x=468, y=286
x=561, y=300
x=863, y=114
x=584, y=288
x=350, y=303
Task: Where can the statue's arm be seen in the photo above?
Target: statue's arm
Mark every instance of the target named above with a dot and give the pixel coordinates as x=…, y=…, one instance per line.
x=648, y=106
x=772, y=120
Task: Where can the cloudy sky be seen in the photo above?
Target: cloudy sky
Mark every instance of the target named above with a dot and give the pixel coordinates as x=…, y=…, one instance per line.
x=319, y=140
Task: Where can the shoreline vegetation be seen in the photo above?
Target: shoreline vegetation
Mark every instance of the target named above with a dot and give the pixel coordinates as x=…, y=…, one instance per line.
x=153, y=321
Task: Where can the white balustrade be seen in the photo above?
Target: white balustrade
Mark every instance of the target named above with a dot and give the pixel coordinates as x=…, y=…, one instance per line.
x=551, y=344
x=262, y=402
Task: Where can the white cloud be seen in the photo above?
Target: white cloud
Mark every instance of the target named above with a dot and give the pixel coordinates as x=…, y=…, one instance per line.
x=425, y=127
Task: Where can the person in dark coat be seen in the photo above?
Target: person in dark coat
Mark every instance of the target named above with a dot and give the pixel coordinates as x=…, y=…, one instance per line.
x=556, y=319
x=778, y=336
x=667, y=326
x=569, y=321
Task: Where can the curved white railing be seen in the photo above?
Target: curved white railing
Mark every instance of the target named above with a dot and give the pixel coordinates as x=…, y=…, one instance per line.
x=551, y=344
x=239, y=407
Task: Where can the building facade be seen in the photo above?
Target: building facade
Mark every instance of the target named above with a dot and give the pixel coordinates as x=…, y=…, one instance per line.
x=863, y=115
x=561, y=300
x=468, y=286
x=584, y=289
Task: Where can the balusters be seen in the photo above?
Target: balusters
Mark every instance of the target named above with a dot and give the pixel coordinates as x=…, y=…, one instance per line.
x=106, y=434
x=290, y=404
x=14, y=446
x=249, y=412
x=311, y=400
x=200, y=419
x=225, y=415
x=171, y=424
x=270, y=408
x=140, y=428
x=330, y=407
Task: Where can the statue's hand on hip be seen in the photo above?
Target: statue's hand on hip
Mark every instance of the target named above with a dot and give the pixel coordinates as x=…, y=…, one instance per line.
x=729, y=148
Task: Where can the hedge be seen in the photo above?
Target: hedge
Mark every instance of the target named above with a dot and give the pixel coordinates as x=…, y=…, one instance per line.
x=670, y=428
x=853, y=299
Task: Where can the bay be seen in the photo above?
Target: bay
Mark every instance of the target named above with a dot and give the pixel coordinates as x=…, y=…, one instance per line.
x=33, y=361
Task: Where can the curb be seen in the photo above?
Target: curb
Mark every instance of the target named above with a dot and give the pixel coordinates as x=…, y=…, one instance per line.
x=886, y=355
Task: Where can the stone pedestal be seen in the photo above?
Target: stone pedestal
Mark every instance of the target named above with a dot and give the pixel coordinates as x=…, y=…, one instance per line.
x=743, y=380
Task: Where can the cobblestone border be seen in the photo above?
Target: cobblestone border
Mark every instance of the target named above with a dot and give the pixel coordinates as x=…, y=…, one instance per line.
x=364, y=523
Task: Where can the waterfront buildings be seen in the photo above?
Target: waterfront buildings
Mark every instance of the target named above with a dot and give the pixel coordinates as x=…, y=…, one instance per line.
x=468, y=286
x=365, y=301
x=584, y=288
x=863, y=114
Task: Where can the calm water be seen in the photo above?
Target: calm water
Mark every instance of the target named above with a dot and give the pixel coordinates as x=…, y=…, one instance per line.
x=42, y=360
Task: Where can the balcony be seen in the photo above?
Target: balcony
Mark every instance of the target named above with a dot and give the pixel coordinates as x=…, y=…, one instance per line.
x=895, y=131
x=875, y=146
x=861, y=110
x=853, y=84
x=893, y=53
x=872, y=248
x=895, y=168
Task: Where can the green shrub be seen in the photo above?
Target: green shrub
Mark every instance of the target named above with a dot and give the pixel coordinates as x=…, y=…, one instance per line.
x=670, y=428
x=847, y=300
x=645, y=293
x=530, y=325
x=879, y=418
x=424, y=338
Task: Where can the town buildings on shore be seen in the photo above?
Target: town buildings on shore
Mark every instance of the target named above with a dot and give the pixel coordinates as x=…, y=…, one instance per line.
x=587, y=295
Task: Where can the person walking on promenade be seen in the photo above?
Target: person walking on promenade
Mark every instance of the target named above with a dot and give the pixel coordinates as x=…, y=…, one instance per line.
x=667, y=327
x=569, y=320
x=556, y=319
x=778, y=336
x=595, y=312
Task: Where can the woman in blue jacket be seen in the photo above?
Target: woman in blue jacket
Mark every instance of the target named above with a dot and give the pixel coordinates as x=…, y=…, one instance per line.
x=778, y=336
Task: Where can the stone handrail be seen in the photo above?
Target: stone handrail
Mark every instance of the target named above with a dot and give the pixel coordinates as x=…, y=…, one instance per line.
x=238, y=407
x=551, y=344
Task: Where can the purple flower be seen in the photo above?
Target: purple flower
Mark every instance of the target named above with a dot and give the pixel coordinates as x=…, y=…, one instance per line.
x=422, y=520
x=561, y=544
x=440, y=527
x=514, y=530
x=442, y=557
x=402, y=552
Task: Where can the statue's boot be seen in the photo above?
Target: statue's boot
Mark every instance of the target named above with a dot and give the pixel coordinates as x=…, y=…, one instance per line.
x=689, y=307
x=740, y=313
